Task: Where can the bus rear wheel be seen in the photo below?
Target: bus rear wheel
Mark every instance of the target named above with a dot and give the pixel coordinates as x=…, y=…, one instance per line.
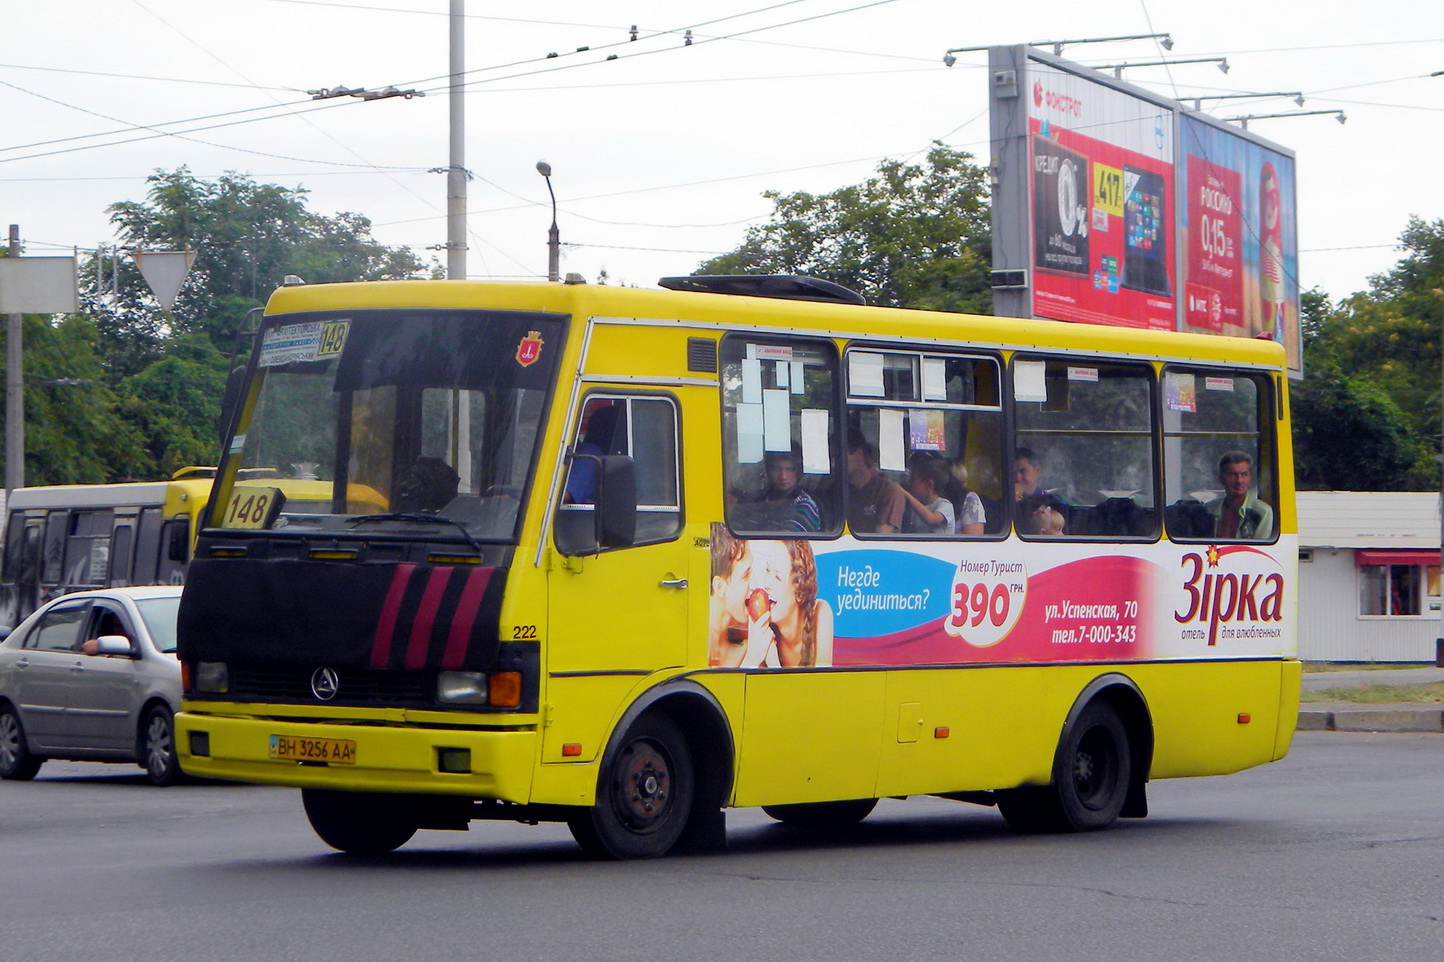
x=1091, y=773
x=644, y=796
x=359, y=823
x=823, y=816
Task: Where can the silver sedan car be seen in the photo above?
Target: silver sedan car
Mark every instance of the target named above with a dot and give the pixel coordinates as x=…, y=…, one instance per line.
x=93, y=676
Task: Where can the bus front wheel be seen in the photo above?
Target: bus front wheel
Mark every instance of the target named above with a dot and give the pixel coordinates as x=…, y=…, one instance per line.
x=359, y=823
x=1091, y=773
x=644, y=796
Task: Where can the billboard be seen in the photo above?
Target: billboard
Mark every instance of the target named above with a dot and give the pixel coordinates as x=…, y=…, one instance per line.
x=1113, y=205
x=1102, y=201
x=1238, y=228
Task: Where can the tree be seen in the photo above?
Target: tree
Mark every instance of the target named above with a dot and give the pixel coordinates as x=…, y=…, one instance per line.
x=247, y=238
x=73, y=433
x=912, y=236
x=1372, y=364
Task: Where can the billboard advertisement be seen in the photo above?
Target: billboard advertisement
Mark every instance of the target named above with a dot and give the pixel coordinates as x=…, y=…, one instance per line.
x=1102, y=201
x=1114, y=205
x=1238, y=228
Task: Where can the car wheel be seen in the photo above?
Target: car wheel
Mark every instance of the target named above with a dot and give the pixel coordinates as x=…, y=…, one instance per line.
x=17, y=764
x=645, y=795
x=157, y=747
x=360, y=823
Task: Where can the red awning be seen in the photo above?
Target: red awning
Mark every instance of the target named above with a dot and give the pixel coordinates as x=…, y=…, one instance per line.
x=1395, y=556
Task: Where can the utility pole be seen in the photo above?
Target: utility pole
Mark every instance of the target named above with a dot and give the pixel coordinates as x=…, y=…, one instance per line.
x=14, y=391
x=456, y=171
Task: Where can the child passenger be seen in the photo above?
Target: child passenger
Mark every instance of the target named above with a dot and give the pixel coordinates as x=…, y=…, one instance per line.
x=929, y=511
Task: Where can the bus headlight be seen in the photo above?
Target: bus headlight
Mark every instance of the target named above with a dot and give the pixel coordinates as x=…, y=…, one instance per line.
x=212, y=677
x=461, y=688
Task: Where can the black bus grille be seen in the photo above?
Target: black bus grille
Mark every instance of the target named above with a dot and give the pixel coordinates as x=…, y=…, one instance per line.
x=356, y=686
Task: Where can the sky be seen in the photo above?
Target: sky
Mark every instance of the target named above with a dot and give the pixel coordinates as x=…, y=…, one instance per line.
x=661, y=156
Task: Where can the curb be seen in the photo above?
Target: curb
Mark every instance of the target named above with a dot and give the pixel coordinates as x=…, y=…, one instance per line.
x=1372, y=720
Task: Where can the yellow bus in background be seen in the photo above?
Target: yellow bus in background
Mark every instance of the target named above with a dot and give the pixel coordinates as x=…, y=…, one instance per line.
x=71, y=537
x=651, y=554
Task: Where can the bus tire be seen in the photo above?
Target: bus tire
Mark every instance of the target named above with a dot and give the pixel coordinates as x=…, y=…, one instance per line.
x=822, y=816
x=157, y=747
x=644, y=795
x=17, y=763
x=1091, y=774
x=359, y=823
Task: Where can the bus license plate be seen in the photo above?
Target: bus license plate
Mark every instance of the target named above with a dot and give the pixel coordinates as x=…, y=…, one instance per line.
x=332, y=751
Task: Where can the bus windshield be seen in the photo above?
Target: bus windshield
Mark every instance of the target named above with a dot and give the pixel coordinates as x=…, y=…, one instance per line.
x=404, y=416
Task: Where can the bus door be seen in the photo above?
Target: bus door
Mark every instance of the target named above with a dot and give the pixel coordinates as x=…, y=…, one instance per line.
x=22, y=569
x=615, y=614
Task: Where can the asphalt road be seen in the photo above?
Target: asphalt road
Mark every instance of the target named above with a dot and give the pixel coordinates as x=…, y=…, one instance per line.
x=1333, y=853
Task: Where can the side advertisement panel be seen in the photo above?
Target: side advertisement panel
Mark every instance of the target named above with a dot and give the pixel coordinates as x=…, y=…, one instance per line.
x=1239, y=228
x=797, y=603
x=1102, y=196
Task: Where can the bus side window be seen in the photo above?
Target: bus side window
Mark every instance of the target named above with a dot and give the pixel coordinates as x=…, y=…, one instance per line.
x=782, y=467
x=53, y=548
x=147, y=547
x=120, y=555
x=930, y=425
x=87, y=548
x=1214, y=419
x=1083, y=449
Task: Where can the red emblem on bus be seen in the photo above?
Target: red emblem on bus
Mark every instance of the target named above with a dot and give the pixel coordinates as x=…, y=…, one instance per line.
x=529, y=349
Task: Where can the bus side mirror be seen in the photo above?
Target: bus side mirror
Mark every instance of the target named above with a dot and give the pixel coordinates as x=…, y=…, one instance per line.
x=230, y=403
x=616, y=508
x=178, y=542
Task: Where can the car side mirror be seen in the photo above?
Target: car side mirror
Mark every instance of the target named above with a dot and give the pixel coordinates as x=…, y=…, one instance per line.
x=114, y=645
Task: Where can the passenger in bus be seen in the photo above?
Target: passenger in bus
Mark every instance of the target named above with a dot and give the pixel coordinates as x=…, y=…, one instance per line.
x=1238, y=515
x=789, y=626
x=929, y=511
x=727, y=601
x=784, y=505
x=967, y=505
x=1032, y=497
x=876, y=504
x=597, y=440
x=1045, y=521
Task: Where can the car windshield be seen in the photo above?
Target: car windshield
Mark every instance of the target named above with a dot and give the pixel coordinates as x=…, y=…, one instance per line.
x=401, y=414
x=159, y=615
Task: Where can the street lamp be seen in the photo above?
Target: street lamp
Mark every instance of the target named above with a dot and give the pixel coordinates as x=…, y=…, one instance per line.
x=1118, y=68
x=1296, y=96
x=1164, y=40
x=1243, y=121
x=554, y=240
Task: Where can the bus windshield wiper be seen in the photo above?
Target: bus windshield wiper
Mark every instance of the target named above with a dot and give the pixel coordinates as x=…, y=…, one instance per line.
x=416, y=517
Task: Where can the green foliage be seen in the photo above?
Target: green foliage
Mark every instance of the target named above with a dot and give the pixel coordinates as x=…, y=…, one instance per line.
x=1350, y=435
x=915, y=235
x=175, y=404
x=152, y=380
x=247, y=237
x=73, y=433
x=1371, y=393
